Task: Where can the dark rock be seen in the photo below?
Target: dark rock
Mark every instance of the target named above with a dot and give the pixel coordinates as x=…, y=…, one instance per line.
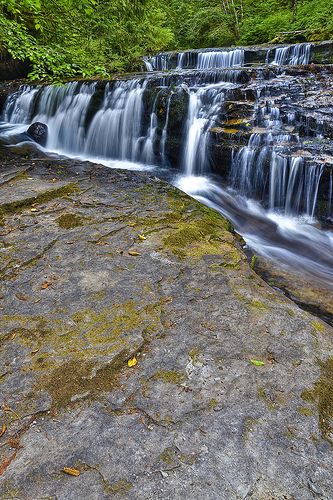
x=11, y=69
x=38, y=132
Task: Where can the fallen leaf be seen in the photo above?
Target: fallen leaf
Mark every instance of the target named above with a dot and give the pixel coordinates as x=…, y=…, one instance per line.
x=256, y=362
x=71, y=472
x=131, y=224
x=33, y=210
x=6, y=462
x=141, y=237
x=132, y=362
x=5, y=407
x=45, y=285
x=101, y=243
x=3, y=429
x=134, y=254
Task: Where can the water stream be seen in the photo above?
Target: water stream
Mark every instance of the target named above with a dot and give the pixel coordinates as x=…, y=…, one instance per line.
x=273, y=191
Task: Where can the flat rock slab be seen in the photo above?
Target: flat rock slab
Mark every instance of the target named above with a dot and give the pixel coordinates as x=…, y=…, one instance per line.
x=230, y=390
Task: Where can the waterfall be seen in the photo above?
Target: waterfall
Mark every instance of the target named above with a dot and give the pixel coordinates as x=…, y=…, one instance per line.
x=224, y=59
x=19, y=106
x=196, y=60
x=293, y=54
x=115, y=131
x=204, y=107
x=208, y=117
x=263, y=168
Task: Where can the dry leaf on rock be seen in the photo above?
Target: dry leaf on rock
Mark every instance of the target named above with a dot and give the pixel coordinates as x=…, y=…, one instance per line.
x=71, y=472
x=132, y=362
x=45, y=285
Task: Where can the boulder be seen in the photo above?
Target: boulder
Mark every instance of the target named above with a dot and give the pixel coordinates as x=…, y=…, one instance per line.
x=38, y=132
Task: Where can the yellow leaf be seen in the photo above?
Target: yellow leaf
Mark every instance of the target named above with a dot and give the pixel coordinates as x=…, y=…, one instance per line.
x=132, y=362
x=3, y=429
x=71, y=472
x=141, y=237
x=131, y=224
x=134, y=254
x=33, y=210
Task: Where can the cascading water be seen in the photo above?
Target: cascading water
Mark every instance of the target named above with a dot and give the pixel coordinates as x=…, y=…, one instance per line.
x=197, y=60
x=204, y=107
x=224, y=59
x=293, y=54
x=171, y=120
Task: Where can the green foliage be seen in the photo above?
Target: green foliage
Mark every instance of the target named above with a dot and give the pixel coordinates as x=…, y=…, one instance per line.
x=67, y=38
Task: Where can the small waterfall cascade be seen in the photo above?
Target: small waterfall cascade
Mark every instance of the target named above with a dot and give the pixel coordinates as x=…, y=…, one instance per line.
x=293, y=54
x=115, y=131
x=203, y=60
x=267, y=170
x=19, y=106
x=203, y=110
x=247, y=140
x=223, y=59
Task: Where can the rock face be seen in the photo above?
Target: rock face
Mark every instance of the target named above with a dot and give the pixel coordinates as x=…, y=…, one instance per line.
x=230, y=395
x=38, y=132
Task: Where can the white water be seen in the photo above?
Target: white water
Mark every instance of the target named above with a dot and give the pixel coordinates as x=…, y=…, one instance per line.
x=223, y=59
x=209, y=59
x=293, y=54
x=118, y=134
x=292, y=242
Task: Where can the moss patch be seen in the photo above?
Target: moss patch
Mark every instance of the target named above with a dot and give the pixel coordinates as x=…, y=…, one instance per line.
x=322, y=395
x=203, y=234
x=84, y=354
x=17, y=206
x=120, y=487
x=70, y=221
x=319, y=327
x=169, y=376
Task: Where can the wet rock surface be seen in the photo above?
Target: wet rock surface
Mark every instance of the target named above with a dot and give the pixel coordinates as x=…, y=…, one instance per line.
x=231, y=396
x=38, y=132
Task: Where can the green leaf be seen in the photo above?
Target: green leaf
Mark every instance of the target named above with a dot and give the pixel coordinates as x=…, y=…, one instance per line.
x=256, y=362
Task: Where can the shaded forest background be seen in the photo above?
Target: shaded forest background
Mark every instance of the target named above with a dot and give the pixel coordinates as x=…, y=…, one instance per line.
x=66, y=38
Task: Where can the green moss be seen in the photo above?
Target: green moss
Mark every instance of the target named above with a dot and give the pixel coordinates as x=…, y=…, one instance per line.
x=212, y=404
x=169, y=376
x=194, y=354
x=120, y=487
x=257, y=304
x=307, y=412
x=266, y=399
x=79, y=378
x=18, y=206
x=322, y=395
x=203, y=236
x=70, y=221
x=168, y=456
x=253, y=262
x=319, y=327
x=65, y=354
